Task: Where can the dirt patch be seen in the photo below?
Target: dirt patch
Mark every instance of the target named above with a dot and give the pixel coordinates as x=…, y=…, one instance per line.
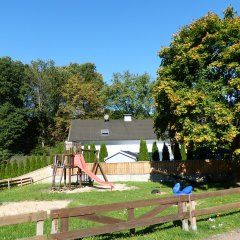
x=117, y=187
x=16, y=208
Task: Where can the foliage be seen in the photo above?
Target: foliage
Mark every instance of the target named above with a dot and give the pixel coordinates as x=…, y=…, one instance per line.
x=103, y=152
x=13, y=113
x=27, y=165
x=38, y=162
x=143, y=151
x=198, y=89
x=44, y=160
x=92, y=153
x=8, y=170
x=165, y=153
x=176, y=151
x=183, y=152
x=82, y=97
x=155, y=152
x=20, y=168
x=33, y=163
x=14, y=169
x=2, y=171
x=86, y=153
x=130, y=93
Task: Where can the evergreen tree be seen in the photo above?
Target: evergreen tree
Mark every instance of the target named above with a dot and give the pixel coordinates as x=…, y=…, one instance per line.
x=86, y=153
x=20, y=168
x=183, y=152
x=2, y=171
x=14, y=169
x=38, y=162
x=143, y=151
x=103, y=152
x=51, y=158
x=165, y=153
x=155, y=152
x=44, y=160
x=92, y=153
x=33, y=163
x=8, y=173
x=27, y=166
x=176, y=152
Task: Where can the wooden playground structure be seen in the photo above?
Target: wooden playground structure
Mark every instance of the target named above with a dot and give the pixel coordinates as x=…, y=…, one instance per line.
x=64, y=168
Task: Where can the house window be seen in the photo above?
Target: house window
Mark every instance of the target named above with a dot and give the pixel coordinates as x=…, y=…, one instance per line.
x=104, y=132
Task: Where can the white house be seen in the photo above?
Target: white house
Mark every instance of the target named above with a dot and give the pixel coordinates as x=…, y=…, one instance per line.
x=121, y=156
x=121, y=134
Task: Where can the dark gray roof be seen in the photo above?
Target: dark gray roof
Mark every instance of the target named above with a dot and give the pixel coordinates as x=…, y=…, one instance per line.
x=90, y=130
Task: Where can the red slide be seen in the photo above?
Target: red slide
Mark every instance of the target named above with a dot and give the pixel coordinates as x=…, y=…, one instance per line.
x=80, y=162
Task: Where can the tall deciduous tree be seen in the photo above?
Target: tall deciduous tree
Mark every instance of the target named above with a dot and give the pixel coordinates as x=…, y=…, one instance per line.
x=198, y=90
x=130, y=93
x=46, y=83
x=13, y=112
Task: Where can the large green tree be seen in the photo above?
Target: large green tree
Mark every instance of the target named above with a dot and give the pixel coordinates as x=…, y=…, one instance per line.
x=82, y=99
x=198, y=89
x=14, y=115
x=46, y=81
x=130, y=93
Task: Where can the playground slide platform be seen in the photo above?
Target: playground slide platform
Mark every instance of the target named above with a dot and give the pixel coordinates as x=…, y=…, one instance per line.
x=80, y=162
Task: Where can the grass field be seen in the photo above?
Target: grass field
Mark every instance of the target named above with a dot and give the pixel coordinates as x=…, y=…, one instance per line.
x=207, y=225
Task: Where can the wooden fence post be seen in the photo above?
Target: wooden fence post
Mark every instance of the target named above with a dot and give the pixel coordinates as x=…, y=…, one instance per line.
x=185, y=220
x=40, y=226
x=54, y=226
x=131, y=217
x=8, y=184
x=193, y=220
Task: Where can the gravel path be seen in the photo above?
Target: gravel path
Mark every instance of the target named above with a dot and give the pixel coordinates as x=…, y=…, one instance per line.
x=233, y=235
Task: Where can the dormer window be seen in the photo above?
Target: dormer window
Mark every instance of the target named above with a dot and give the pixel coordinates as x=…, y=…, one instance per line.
x=104, y=132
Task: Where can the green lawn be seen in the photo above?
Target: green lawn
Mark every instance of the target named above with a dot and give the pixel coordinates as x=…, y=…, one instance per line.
x=218, y=223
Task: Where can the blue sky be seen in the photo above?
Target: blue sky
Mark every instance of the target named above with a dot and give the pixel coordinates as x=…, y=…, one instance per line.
x=116, y=35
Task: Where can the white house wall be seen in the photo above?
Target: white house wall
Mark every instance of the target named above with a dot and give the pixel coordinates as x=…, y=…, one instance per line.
x=130, y=145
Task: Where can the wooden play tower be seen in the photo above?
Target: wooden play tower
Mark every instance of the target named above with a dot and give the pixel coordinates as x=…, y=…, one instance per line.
x=64, y=169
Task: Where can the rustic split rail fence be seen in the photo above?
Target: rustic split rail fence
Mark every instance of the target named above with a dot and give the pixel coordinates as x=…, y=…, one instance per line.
x=158, y=210
x=15, y=182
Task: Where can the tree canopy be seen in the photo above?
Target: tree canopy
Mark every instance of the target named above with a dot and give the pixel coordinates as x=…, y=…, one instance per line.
x=198, y=87
x=130, y=93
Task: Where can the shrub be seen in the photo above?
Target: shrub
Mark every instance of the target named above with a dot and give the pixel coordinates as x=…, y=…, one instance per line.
x=50, y=160
x=155, y=152
x=103, y=152
x=165, y=153
x=176, y=152
x=183, y=152
x=8, y=172
x=92, y=153
x=2, y=171
x=27, y=166
x=14, y=169
x=33, y=163
x=86, y=153
x=44, y=161
x=20, y=168
x=143, y=151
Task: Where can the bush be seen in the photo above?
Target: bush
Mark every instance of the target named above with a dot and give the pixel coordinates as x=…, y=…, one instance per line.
x=176, y=152
x=8, y=172
x=92, y=153
x=33, y=163
x=86, y=153
x=183, y=152
x=155, y=152
x=143, y=151
x=27, y=166
x=20, y=168
x=2, y=171
x=103, y=152
x=44, y=161
x=14, y=169
x=165, y=153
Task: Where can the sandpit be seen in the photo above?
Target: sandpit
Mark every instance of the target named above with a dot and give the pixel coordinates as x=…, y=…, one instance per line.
x=16, y=208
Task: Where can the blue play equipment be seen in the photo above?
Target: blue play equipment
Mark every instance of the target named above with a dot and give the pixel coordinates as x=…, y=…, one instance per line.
x=177, y=192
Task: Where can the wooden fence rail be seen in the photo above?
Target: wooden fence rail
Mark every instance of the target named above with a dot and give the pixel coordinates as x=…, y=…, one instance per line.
x=185, y=211
x=15, y=182
x=136, y=214
x=38, y=217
